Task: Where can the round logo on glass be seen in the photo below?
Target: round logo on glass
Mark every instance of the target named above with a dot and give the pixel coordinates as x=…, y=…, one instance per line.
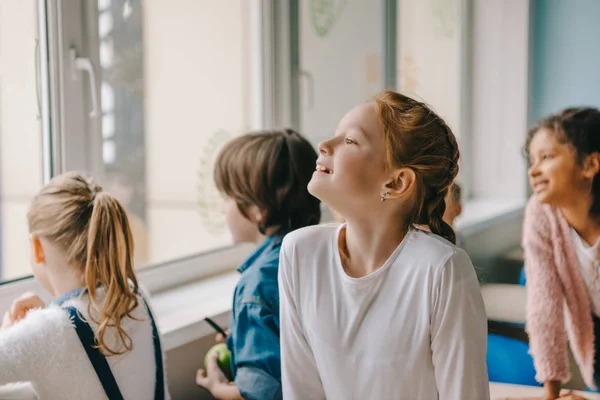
x=322, y=16
x=209, y=198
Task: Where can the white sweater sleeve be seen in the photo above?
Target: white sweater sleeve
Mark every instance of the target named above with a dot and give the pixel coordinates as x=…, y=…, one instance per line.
x=28, y=349
x=459, y=332
x=299, y=374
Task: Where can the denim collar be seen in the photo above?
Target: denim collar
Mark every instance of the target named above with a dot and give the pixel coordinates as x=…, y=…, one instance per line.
x=68, y=296
x=265, y=247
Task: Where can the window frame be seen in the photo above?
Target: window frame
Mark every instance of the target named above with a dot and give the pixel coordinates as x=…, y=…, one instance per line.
x=47, y=87
x=465, y=74
x=65, y=111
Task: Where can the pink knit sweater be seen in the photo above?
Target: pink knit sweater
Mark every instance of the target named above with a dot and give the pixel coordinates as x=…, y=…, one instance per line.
x=558, y=304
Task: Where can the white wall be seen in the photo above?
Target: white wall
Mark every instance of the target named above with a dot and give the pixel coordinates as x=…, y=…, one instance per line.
x=499, y=94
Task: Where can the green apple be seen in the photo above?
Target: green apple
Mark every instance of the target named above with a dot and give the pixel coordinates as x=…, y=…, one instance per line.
x=223, y=359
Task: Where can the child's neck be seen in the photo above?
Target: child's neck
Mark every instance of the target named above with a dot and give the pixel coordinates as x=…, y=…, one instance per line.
x=366, y=245
x=64, y=280
x=577, y=214
x=270, y=231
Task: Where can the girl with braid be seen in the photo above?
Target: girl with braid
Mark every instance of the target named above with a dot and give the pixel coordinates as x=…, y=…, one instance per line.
x=376, y=308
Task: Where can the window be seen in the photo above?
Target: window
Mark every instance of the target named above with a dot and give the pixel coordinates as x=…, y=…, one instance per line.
x=175, y=86
x=340, y=61
x=430, y=55
x=21, y=132
x=143, y=94
x=431, y=60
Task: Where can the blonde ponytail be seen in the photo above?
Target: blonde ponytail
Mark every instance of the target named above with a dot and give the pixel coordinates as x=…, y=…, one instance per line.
x=109, y=264
x=92, y=228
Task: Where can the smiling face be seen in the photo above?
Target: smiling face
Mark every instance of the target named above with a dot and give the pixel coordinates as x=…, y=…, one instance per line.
x=396, y=149
x=351, y=171
x=555, y=173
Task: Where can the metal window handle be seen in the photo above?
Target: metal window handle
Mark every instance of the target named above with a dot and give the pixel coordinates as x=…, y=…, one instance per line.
x=84, y=64
x=310, y=81
x=37, y=79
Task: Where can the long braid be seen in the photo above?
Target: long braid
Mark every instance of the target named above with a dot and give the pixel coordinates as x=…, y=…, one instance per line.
x=435, y=203
x=417, y=138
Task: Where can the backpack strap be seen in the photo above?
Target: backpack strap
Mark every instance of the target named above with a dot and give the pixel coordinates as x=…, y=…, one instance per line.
x=88, y=340
x=159, y=388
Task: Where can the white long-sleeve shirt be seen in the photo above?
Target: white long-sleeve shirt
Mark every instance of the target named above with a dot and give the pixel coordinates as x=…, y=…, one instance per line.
x=44, y=349
x=414, y=329
x=589, y=263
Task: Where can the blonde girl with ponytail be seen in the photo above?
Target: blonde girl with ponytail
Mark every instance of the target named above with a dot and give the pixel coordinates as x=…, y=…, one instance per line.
x=98, y=338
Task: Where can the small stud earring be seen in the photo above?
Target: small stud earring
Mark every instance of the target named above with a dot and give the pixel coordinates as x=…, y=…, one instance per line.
x=384, y=196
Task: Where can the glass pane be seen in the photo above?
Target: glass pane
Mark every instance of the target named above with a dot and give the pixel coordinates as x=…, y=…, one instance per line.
x=341, y=61
x=175, y=87
x=430, y=55
x=21, y=165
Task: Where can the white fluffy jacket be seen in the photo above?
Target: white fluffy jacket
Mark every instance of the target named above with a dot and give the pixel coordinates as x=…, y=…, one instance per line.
x=44, y=349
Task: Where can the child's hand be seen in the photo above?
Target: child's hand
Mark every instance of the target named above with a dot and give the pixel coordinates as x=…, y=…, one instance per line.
x=220, y=338
x=6, y=321
x=20, y=307
x=213, y=377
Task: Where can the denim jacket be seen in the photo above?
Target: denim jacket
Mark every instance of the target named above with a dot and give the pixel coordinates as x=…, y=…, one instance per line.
x=254, y=326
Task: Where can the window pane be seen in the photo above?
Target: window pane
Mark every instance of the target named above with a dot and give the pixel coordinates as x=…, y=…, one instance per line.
x=21, y=166
x=430, y=55
x=430, y=65
x=341, y=59
x=175, y=87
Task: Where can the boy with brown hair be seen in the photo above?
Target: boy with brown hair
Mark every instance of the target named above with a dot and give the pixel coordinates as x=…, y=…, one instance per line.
x=263, y=177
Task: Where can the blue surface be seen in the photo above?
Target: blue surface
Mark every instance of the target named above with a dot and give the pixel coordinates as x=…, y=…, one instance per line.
x=508, y=361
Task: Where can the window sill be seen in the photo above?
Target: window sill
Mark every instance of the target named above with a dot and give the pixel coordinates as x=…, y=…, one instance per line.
x=505, y=302
x=481, y=213
x=180, y=312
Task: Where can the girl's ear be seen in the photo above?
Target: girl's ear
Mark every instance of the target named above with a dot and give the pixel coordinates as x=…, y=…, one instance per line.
x=402, y=182
x=591, y=165
x=39, y=255
x=255, y=214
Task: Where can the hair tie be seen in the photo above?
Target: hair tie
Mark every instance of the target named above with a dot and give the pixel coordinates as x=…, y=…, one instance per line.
x=95, y=192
